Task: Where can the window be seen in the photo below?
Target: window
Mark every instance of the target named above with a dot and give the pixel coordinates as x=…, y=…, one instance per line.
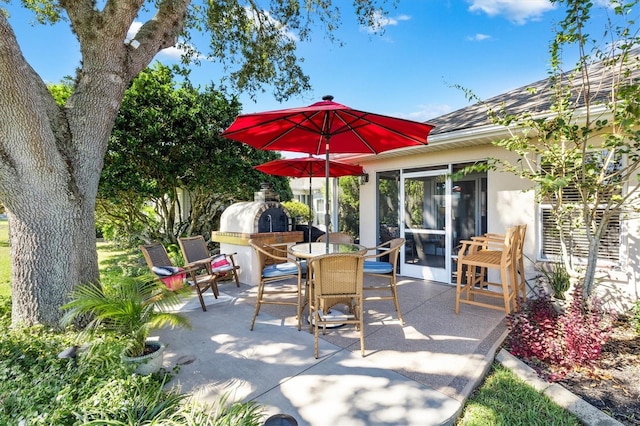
x=572, y=224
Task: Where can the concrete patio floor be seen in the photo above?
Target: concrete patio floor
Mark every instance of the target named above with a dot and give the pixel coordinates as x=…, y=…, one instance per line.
x=417, y=374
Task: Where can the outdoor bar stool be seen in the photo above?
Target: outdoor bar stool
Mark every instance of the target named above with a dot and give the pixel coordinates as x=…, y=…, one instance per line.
x=492, y=240
x=474, y=259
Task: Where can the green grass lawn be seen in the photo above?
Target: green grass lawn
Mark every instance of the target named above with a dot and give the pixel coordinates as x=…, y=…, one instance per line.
x=5, y=266
x=114, y=263
x=504, y=399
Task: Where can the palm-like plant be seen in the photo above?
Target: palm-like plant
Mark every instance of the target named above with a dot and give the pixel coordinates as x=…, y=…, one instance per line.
x=132, y=309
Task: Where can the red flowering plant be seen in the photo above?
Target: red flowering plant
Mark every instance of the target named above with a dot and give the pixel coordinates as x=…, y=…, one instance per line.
x=553, y=342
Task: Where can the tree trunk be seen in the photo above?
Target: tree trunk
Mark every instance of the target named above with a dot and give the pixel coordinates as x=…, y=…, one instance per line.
x=590, y=270
x=51, y=157
x=46, y=263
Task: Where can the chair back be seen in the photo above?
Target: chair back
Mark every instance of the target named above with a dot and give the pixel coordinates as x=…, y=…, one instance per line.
x=522, y=232
x=267, y=254
x=155, y=255
x=336, y=237
x=338, y=274
x=193, y=248
x=394, y=250
x=510, y=246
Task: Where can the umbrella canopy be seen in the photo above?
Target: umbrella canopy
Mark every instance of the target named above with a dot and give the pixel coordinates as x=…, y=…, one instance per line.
x=326, y=126
x=323, y=127
x=308, y=167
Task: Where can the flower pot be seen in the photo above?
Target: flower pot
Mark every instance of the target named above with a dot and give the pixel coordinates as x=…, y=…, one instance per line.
x=560, y=305
x=147, y=364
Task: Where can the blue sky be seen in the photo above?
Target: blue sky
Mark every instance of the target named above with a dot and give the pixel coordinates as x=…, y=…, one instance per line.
x=487, y=46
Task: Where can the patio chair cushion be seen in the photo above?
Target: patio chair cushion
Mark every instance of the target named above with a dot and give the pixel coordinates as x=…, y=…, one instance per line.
x=170, y=276
x=165, y=271
x=280, y=269
x=221, y=264
x=374, y=267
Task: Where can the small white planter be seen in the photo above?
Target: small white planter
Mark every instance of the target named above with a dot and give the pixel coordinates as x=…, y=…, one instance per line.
x=147, y=364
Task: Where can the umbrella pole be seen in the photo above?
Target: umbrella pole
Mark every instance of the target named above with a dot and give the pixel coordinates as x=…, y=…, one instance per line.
x=326, y=190
x=310, y=205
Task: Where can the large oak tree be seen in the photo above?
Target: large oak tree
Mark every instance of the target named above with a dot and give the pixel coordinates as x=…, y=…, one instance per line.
x=51, y=156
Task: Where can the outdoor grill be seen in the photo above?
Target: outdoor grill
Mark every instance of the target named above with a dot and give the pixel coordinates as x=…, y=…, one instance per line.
x=264, y=219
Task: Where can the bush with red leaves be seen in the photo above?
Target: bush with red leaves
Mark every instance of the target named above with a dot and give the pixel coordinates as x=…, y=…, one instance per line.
x=561, y=341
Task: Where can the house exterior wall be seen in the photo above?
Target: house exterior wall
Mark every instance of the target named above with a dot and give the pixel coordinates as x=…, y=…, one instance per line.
x=510, y=201
x=300, y=188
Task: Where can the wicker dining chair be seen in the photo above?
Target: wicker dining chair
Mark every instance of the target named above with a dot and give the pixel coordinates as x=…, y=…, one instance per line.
x=195, y=252
x=158, y=262
x=383, y=262
x=336, y=276
x=336, y=237
x=275, y=265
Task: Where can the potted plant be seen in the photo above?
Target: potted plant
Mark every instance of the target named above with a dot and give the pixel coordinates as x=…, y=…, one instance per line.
x=130, y=309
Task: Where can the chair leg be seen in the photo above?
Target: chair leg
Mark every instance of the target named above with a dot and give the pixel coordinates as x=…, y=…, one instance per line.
x=258, y=303
x=360, y=312
x=235, y=276
x=199, y=291
x=505, y=291
x=458, y=285
x=299, y=307
x=214, y=288
x=517, y=286
x=394, y=292
x=523, y=281
x=315, y=319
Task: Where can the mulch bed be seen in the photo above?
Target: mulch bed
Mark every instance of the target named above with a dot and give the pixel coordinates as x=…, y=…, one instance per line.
x=613, y=385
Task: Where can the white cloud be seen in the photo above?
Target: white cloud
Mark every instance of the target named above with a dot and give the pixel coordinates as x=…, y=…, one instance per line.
x=133, y=30
x=607, y=3
x=172, y=53
x=380, y=21
x=479, y=37
x=285, y=32
x=518, y=11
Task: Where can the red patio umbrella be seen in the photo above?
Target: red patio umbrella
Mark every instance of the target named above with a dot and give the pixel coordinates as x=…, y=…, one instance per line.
x=308, y=167
x=326, y=126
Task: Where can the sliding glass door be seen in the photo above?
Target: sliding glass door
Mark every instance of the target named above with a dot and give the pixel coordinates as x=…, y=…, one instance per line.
x=433, y=213
x=425, y=220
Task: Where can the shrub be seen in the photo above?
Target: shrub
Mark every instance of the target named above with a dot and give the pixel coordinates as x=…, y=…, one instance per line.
x=299, y=210
x=534, y=331
x=558, y=278
x=39, y=388
x=586, y=328
x=559, y=341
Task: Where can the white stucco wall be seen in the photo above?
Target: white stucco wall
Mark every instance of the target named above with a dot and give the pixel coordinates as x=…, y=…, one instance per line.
x=507, y=204
x=510, y=202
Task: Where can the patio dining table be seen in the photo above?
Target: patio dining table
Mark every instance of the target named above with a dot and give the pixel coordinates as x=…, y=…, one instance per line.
x=310, y=250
